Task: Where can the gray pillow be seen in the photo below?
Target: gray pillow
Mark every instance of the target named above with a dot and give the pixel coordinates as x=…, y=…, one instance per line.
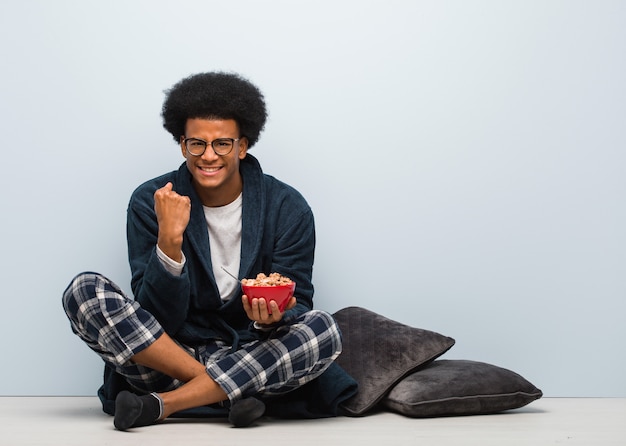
x=378, y=352
x=459, y=387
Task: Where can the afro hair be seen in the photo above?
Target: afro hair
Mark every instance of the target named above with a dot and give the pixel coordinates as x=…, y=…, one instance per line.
x=215, y=95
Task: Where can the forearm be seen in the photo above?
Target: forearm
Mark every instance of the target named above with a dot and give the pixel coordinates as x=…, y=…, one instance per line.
x=294, y=257
x=159, y=282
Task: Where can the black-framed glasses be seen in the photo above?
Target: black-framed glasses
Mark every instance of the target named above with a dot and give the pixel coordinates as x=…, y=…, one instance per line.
x=221, y=146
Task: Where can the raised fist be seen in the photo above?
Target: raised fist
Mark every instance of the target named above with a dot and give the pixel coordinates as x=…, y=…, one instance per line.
x=172, y=212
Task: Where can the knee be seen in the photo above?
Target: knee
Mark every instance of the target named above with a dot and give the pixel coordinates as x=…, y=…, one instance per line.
x=81, y=288
x=327, y=331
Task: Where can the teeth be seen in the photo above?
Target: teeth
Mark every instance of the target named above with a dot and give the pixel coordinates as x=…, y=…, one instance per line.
x=209, y=169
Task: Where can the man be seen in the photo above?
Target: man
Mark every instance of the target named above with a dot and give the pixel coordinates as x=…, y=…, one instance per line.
x=189, y=338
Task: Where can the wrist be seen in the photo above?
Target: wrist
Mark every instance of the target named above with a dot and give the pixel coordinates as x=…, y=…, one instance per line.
x=171, y=247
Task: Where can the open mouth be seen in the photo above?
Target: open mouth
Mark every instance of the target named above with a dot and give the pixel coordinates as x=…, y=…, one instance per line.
x=209, y=170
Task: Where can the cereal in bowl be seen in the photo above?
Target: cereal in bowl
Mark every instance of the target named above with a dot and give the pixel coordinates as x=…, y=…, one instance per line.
x=274, y=279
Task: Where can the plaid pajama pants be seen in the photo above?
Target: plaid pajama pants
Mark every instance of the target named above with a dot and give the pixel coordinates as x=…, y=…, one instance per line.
x=116, y=328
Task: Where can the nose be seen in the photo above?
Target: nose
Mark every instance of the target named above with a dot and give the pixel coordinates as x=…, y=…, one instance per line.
x=209, y=153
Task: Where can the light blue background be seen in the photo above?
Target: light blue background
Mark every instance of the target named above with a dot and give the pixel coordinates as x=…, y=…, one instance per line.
x=464, y=159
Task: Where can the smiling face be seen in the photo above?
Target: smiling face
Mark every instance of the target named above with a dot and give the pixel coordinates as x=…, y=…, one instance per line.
x=216, y=178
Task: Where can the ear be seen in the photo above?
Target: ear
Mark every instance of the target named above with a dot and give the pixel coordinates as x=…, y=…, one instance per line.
x=182, y=146
x=243, y=147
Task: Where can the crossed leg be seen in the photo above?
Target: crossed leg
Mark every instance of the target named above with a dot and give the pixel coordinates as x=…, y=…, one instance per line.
x=165, y=356
x=199, y=389
x=99, y=312
x=122, y=333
